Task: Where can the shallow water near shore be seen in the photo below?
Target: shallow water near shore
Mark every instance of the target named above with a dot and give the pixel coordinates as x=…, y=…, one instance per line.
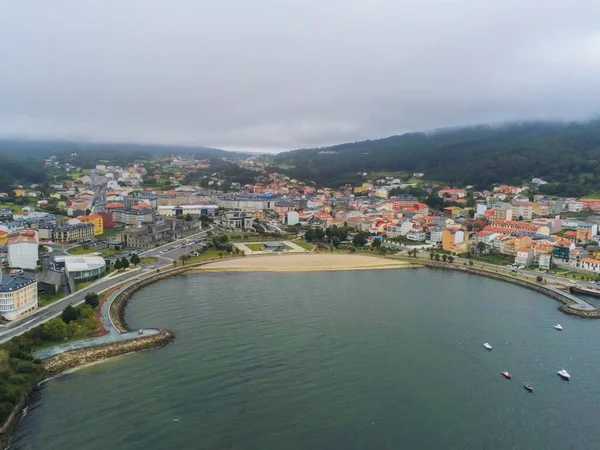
x=333, y=360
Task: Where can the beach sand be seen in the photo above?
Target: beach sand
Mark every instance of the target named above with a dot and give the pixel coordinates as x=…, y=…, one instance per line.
x=302, y=263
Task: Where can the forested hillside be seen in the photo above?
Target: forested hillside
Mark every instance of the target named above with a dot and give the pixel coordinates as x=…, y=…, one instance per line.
x=17, y=168
x=21, y=161
x=565, y=154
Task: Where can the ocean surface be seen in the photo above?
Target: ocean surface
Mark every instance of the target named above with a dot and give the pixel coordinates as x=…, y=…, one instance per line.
x=382, y=359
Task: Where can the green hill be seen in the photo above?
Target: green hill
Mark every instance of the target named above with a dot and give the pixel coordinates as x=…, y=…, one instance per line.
x=564, y=154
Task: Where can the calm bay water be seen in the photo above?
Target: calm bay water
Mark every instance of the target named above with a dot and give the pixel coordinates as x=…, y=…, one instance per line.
x=383, y=359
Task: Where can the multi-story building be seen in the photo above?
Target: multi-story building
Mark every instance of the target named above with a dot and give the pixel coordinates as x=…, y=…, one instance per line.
x=108, y=219
x=133, y=216
x=502, y=214
x=522, y=210
x=96, y=220
x=524, y=257
x=545, y=261
x=562, y=251
x=23, y=249
x=46, y=234
x=435, y=235
x=18, y=295
x=72, y=234
x=245, y=203
x=238, y=220
x=416, y=235
x=146, y=236
x=183, y=210
x=590, y=264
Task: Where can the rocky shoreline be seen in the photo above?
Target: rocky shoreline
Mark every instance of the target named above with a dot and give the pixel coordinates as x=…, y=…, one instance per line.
x=74, y=358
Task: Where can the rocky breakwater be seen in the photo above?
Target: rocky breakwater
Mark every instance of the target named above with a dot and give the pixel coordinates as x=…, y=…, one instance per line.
x=79, y=357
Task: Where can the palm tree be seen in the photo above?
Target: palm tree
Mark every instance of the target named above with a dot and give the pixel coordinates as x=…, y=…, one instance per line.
x=437, y=256
x=431, y=255
x=444, y=257
x=450, y=258
x=184, y=258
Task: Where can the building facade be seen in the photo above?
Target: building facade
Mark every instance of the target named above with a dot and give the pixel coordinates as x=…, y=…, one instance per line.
x=23, y=249
x=18, y=295
x=134, y=217
x=238, y=220
x=183, y=210
x=73, y=234
x=96, y=220
x=81, y=268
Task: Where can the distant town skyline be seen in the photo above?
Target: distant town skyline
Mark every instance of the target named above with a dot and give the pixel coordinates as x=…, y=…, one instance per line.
x=258, y=76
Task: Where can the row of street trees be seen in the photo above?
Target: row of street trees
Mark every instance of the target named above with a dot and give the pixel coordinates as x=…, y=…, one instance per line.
x=443, y=256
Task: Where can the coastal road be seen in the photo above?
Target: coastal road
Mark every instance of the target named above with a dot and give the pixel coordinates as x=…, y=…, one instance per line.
x=531, y=276
x=42, y=315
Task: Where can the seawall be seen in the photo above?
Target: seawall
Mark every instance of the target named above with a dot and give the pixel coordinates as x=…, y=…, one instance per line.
x=562, y=297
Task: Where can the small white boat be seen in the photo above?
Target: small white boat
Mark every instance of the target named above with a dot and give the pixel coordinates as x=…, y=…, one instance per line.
x=488, y=346
x=558, y=326
x=564, y=374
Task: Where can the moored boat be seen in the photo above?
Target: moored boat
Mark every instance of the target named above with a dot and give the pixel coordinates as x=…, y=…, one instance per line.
x=507, y=375
x=528, y=387
x=488, y=346
x=558, y=326
x=564, y=374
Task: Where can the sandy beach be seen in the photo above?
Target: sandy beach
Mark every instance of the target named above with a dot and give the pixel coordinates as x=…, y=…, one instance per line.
x=303, y=263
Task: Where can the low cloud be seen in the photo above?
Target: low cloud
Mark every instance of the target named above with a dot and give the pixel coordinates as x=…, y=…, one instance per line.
x=272, y=76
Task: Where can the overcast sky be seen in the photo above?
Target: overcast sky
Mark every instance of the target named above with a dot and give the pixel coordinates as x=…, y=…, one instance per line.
x=283, y=74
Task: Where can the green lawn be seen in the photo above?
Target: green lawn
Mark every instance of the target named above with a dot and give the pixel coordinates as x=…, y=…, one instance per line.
x=45, y=299
x=304, y=245
x=208, y=255
x=148, y=260
x=85, y=284
x=87, y=250
x=495, y=258
x=255, y=247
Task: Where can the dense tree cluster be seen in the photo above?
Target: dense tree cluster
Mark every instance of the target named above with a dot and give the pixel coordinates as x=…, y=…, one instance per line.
x=564, y=154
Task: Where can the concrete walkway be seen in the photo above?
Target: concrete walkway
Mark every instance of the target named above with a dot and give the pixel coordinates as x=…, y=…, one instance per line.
x=91, y=342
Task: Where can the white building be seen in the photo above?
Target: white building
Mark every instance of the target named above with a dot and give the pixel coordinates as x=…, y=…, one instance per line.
x=23, y=249
x=237, y=220
x=545, y=261
x=192, y=210
x=590, y=264
x=481, y=208
x=524, y=258
x=522, y=211
x=575, y=206
x=244, y=204
x=436, y=235
x=292, y=218
x=81, y=268
x=405, y=227
x=416, y=235
x=393, y=231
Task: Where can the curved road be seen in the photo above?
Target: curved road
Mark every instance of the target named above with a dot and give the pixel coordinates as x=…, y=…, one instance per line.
x=42, y=315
